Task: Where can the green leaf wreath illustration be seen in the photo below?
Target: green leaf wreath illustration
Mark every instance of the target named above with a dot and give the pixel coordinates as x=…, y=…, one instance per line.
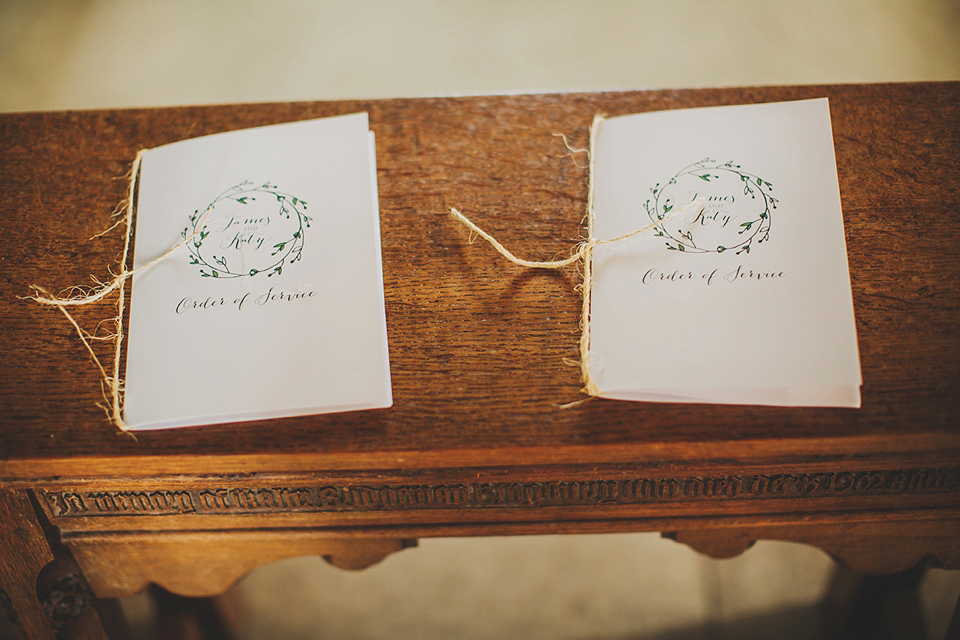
x=247, y=230
x=736, y=212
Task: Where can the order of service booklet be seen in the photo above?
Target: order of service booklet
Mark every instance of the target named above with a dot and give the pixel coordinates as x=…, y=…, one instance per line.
x=272, y=305
x=741, y=293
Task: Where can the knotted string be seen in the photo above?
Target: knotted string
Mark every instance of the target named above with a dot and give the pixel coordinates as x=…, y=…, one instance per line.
x=112, y=382
x=583, y=252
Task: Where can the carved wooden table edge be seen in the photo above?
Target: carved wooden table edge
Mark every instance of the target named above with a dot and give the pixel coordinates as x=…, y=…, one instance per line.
x=852, y=515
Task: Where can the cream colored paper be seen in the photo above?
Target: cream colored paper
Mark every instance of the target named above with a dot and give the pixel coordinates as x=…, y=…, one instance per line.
x=745, y=300
x=274, y=307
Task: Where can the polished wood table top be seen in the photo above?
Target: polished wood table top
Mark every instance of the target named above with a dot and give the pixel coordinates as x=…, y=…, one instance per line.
x=476, y=442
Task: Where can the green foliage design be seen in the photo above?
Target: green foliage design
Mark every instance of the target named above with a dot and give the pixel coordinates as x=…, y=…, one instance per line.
x=286, y=251
x=710, y=171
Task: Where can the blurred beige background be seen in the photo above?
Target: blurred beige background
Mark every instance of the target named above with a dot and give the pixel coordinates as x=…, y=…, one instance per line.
x=58, y=54
x=78, y=54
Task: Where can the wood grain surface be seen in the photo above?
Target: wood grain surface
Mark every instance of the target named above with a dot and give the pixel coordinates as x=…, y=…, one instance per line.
x=477, y=345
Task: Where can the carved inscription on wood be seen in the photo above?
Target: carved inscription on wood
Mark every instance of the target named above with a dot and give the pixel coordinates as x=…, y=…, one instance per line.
x=219, y=500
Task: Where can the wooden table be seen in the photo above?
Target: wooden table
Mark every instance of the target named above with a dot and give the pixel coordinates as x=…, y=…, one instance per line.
x=476, y=443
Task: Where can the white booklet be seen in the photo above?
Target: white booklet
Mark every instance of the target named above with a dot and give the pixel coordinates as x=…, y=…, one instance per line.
x=743, y=297
x=274, y=304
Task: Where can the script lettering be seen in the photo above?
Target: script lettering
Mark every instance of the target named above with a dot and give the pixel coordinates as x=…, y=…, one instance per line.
x=572, y=493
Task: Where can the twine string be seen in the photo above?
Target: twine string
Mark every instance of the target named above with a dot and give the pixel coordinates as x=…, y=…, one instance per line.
x=75, y=296
x=583, y=252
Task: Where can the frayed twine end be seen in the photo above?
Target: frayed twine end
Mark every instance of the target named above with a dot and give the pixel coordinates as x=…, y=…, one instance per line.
x=582, y=254
x=112, y=384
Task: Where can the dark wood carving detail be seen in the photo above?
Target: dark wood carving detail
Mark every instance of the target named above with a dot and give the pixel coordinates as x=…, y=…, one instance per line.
x=6, y=606
x=332, y=498
x=66, y=599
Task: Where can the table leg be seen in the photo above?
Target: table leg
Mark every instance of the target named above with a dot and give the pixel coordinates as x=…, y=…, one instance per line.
x=24, y=553
x=47, y=595
x=885, y=607
x=212, y=618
